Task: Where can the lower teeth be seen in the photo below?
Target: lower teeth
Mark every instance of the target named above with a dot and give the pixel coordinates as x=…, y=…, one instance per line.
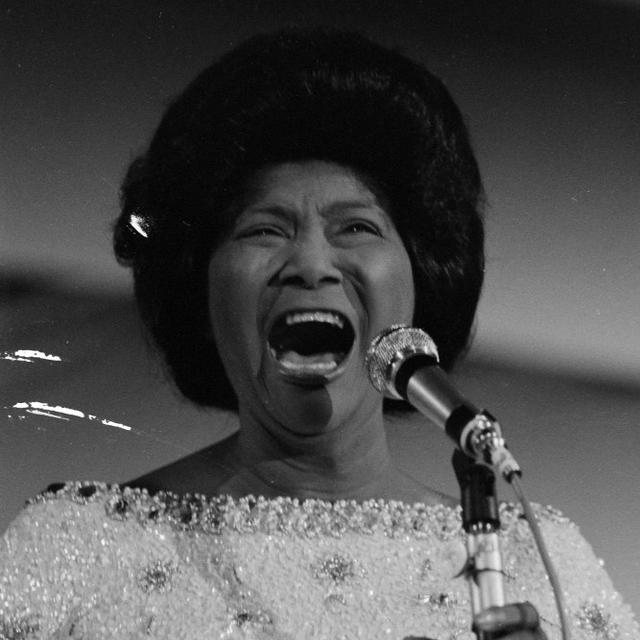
x=318, y=363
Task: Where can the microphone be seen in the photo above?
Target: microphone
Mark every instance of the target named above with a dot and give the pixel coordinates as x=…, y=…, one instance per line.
x=402, y=363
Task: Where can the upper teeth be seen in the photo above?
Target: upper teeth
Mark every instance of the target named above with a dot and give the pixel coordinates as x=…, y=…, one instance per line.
x=315, y=316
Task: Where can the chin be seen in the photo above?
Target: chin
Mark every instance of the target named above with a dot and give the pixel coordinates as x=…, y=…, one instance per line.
x=303, y=410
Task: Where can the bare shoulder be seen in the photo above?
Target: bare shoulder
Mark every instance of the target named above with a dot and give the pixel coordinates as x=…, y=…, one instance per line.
x=204, y=471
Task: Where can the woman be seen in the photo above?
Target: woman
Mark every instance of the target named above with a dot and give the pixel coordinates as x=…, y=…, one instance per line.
x=306, y=192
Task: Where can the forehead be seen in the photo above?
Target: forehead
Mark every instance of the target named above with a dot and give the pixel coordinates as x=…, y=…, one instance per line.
x=312, y=183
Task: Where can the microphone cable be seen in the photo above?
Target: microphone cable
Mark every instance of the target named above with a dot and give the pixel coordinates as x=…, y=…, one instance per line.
x=544, y=555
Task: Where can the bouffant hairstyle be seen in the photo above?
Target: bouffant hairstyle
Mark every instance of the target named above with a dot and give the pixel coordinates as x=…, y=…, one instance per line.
x=291, y=96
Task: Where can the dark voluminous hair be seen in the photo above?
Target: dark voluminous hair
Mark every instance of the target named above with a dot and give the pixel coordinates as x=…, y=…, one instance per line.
x=293, y=96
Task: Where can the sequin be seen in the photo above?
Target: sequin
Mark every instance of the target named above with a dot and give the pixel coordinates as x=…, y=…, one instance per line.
x=261, y=618
x=90, y=560
x=437, y=599
x=117, y=508
x=426, y=568
x=87, y=491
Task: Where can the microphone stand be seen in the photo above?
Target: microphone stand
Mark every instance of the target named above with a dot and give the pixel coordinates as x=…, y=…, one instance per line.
x=481, y=521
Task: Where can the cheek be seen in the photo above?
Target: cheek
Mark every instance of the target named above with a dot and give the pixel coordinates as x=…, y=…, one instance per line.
x=392, y=279
x=232, y=308
x=221, y=293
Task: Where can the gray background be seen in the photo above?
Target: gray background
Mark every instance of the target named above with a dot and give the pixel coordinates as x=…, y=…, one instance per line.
x=551, y=92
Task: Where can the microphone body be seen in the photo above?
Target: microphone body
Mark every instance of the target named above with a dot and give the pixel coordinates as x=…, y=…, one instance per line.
x=402, y=363
x=429, y=391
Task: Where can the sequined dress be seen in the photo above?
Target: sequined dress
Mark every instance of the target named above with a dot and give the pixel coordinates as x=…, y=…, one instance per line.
x=94, y=561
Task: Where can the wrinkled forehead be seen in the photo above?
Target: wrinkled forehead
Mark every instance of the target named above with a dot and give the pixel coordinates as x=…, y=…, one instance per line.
x=301, y=184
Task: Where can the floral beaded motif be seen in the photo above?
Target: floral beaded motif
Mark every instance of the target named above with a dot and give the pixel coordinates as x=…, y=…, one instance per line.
x=118, y=562
x=437, y=599
x=18, y=627
x=156, y=577
x=594, y=618
x=336, y=567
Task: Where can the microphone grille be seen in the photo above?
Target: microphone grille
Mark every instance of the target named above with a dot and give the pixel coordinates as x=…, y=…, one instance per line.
x=389, y=349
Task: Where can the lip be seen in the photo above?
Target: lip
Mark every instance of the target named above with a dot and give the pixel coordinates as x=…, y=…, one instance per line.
x=304, y=378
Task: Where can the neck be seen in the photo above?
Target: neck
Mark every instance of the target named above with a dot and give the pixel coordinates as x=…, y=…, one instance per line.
x=352, y=462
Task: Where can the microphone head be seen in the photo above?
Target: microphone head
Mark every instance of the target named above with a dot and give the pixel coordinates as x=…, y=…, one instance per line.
x=390, y=349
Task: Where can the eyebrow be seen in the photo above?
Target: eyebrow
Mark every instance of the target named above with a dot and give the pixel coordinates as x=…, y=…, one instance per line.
x=332, y=210
x=341, y=205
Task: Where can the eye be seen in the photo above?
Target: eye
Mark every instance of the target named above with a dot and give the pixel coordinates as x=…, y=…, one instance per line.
x=262, y=231
x=361, y=226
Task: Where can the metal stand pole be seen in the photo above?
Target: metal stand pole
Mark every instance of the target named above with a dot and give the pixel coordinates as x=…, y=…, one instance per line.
x=481, y=521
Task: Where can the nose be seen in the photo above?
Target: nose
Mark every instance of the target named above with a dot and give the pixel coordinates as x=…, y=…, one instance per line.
x=310, y=263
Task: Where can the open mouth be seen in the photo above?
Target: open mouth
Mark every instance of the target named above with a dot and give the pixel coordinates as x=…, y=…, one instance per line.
x=311, y=344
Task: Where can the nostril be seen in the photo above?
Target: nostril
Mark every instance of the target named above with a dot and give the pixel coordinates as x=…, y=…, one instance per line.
x=308, y=280
x=309, y=275
x=294, y=280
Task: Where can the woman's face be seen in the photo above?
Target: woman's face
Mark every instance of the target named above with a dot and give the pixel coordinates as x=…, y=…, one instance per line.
x=311, y=271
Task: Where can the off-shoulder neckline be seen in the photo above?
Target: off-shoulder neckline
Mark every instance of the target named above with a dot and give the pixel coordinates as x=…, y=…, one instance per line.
x=309, y=517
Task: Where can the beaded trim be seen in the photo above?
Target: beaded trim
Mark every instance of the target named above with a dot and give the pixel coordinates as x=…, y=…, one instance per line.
x=311, y=517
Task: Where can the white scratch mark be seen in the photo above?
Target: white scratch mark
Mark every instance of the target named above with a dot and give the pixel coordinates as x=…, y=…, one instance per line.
x=29, y=355
x=46, y=407
x=62, y=413
x=39, y=412
x=119, y=425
